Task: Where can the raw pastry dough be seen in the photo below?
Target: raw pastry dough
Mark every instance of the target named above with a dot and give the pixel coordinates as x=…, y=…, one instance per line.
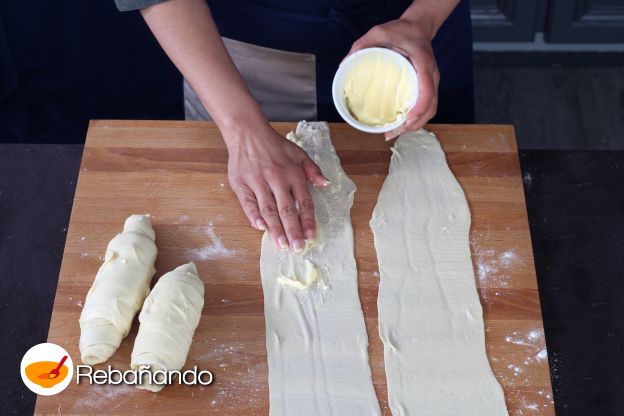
x=168, y=319
x=120, y=286
x=315, y=334
x=430, y=318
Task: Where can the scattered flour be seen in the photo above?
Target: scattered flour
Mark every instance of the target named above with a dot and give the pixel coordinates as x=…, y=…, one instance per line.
x=104, y=396
x=214, y=250
x=493, y=268
x=477, y=166
x=532, y=341
x=231, y=357
x=531, y=338
x=541, y=356
x=517, y=370
x=530, y=407
x=182, y=219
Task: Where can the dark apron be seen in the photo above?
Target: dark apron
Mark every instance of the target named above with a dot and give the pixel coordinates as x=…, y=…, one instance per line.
x=326, y=30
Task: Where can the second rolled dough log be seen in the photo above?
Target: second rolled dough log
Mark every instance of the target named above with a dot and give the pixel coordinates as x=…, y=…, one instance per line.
x=120, y=286
x=168, y=319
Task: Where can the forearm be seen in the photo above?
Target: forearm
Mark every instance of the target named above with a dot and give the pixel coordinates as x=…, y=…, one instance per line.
x=186, y=31
x=431, y=13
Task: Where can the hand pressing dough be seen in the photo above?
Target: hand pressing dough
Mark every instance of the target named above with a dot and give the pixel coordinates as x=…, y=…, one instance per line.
x=430, y=318
x=315, y=334
x=120, y=286
x=168, y=320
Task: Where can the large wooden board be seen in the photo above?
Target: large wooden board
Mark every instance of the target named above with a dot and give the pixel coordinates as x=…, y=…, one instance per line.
x=176, y=172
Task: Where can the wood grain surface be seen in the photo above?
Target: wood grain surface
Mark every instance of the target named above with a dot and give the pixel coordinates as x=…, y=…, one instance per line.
x=177, y=172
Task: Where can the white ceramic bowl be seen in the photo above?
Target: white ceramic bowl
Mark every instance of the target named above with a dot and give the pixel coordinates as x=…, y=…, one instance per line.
x=340, y=78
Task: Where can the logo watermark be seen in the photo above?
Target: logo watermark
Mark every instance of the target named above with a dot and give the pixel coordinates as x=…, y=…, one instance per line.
x=46, y=369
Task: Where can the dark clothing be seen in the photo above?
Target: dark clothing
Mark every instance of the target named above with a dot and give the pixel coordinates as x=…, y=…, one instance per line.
x=65, y=62
x=328, y=28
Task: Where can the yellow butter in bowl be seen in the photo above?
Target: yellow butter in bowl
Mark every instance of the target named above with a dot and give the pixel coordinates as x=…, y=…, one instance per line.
x=377, y=91
x=374, y=89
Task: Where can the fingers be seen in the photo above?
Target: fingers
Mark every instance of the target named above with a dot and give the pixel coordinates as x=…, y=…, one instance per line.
x=393, y=134
x=306, y=209
x=427, y=103
x=313, y=173
x=274, y=210
x=271, y=215
x=288, y=214
x=249, y=203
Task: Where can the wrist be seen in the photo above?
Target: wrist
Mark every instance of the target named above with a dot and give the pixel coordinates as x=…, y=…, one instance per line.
x=237, y=126
x=429, y=17
x=424, y=23
x=241, y=129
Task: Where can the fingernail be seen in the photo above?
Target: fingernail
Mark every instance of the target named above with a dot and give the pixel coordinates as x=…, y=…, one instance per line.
x=310, y=234
x=282, y=242
x=298, y=246
x=260, y=224
x=325, y=183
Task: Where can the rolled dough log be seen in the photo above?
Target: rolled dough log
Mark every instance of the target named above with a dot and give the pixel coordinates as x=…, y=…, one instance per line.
x=120, y=286
x=430, y=318
x=168, y=320
x=315, y=334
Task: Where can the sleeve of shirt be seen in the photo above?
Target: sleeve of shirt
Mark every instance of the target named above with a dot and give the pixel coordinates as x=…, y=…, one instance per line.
x=127, y=5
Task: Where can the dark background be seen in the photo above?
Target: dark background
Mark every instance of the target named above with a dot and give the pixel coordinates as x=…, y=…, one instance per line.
x=552, y=68
x=68, y=61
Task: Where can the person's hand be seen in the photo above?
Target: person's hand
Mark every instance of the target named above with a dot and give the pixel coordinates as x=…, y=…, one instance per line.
x=269, y=175
x=413, y=39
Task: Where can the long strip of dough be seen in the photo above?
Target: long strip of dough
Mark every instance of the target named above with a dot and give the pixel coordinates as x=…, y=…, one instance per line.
x=430, y=318
x=315, y=334
x=168, y=319
x=120, y=286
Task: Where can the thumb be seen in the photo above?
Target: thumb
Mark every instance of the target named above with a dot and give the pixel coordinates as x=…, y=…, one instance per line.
x=313, y=173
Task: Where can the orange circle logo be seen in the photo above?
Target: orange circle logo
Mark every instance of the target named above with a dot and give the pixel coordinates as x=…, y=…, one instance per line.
x=47, y=369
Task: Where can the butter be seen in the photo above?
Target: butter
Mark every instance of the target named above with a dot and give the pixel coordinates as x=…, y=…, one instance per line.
x=309, y=277
x=377, y=91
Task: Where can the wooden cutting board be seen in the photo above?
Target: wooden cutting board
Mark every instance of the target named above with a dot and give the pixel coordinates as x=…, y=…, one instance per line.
x=177, y=172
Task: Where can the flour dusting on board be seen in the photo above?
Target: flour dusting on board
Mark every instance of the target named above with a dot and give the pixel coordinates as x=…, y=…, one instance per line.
x=493, y=270
x=214, y=250
x=104, y=397
x=182, y=219
x=531, y=342
x=233, y=359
